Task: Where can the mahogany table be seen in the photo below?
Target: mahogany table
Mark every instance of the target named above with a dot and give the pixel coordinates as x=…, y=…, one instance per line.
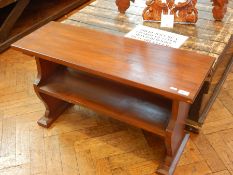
x=148, y=86
x=219, y=7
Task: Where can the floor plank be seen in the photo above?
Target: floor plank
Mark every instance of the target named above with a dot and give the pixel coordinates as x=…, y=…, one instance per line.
x=83, y=142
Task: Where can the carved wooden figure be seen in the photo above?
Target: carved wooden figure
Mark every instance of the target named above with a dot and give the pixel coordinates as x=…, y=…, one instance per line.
x=220, y=9
x=182, y=11
x=123, y=5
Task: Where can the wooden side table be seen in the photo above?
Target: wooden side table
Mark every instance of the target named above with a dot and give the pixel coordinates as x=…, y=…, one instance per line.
x=219, y=8
x=148, y=86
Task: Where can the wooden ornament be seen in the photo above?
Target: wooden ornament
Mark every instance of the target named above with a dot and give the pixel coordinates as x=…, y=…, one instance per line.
x=183, y=11
x=122, y=5
x=220, y=9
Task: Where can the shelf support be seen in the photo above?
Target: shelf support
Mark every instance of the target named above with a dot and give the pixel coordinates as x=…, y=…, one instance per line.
x=175, y=138
x=54, y=106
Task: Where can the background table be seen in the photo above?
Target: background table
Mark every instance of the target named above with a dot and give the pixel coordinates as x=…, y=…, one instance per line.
x=207, y=36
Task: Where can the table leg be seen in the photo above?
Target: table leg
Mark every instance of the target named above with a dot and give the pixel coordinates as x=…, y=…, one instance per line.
x=219, y=9
x=122, y=5
x=54, y=106
x=175, y=138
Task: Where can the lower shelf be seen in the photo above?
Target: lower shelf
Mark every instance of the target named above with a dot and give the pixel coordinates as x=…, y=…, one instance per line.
x=133, y=106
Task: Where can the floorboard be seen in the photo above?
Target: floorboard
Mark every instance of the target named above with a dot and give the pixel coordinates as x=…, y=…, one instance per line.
x=83, y=142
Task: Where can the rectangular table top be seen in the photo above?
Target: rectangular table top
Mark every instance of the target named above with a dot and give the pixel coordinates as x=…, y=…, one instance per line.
x=173, y=73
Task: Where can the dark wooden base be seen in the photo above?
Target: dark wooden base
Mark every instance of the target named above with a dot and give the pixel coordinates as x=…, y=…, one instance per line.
x=192, y=126
x=216, y=92
x=198, y=113
x=9, y=21
x=36, y=14
x=165, y=169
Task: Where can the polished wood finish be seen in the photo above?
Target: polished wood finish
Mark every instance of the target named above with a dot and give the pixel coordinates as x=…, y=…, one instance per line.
x=188, y=11
x=24, y=16
x=116, y=76
x=171, y=65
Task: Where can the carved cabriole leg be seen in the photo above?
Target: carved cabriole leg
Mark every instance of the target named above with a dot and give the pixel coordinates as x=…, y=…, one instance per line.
x=176, y=138
x=122, y=5
x=220, y=9
x=54, y=107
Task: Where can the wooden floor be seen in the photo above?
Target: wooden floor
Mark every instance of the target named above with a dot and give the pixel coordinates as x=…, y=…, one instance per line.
x=82, y=142
x=86, y=143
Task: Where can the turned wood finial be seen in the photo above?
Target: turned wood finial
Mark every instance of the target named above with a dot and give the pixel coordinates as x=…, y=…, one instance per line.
x=122, y=5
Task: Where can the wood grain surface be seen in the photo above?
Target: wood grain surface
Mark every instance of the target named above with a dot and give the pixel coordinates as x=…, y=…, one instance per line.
x=151, y=67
